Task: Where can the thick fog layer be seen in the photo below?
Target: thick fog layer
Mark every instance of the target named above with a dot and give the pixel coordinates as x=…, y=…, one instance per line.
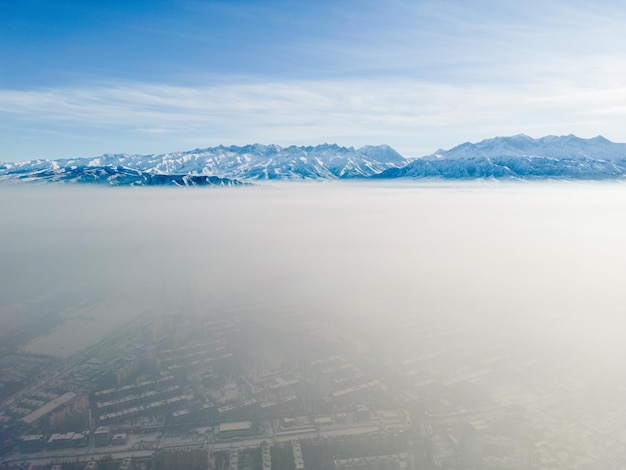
x=543, y=264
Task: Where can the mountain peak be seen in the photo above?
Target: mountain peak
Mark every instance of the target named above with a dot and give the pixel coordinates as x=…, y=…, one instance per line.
x=522, y=157
x=521, y=145
x=382, y=153
x=248, y=162
x=517, y=156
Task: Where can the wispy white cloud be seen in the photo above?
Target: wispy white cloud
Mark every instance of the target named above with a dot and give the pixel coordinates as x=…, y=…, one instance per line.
x=415, y=116
x=415, y=75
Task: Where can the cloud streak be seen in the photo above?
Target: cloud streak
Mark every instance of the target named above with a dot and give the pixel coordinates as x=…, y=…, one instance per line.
x=415, y=75
x=410, y=114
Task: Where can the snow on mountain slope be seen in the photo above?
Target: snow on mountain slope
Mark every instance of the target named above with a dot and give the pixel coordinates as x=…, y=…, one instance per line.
x=251, y=162
x=520, y=156
x=109, y=175
x=561, y=147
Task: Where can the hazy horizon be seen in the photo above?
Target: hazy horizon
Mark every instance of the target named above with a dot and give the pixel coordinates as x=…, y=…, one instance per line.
x=545, y=257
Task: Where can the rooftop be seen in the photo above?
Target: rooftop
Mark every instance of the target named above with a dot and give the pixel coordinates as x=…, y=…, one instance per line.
x=235, y=426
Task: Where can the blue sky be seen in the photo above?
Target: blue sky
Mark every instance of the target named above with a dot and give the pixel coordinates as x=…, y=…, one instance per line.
x=85, y=78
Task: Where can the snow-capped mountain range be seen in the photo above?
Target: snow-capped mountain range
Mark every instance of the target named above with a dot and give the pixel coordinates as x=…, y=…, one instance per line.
x=251, y=162
x=519, y=156
x=111, y=176
x=522, y=157
x=521, y=145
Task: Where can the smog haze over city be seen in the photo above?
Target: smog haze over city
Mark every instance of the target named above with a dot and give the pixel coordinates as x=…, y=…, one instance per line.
x=366, y=262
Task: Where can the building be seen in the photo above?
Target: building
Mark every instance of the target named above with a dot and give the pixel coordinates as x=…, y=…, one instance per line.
x=233, y=459
x=48, y=408
x=297, y=456
x=31, y=443
x=80, y=439
x=266, y=456
x=119, y=439
x=362, y=413
x=187, y=457
x=67, y=440
x=102, y=436
x=61, y=441
x=234, y=429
